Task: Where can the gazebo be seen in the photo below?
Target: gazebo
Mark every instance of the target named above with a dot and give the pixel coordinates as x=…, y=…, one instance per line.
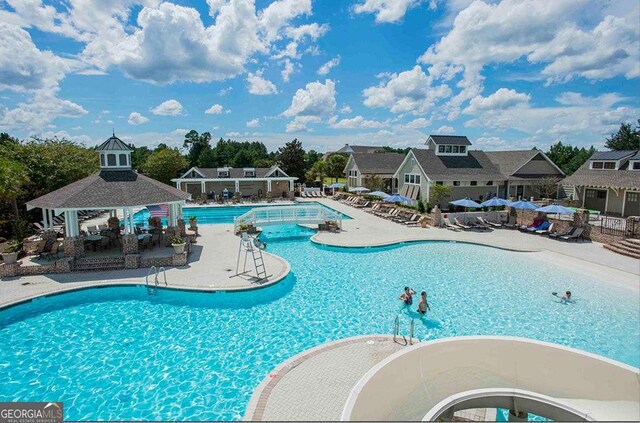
x=115, y=187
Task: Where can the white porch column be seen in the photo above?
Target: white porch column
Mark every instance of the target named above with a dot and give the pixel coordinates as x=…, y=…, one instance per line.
x=606, y=201
x=124, y=217
x=44, y=219
x=172, y=215
x=268, y=185
x=237, y=186
x=131, y=227
x=290, y=185
x=178, y=185
x=67, y=225
x=75, y=230
x=203, y=187
x=624, y=200
x=50, y=212
x=584, y=194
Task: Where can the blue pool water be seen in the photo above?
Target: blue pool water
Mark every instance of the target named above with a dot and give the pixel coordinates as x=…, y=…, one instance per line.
x=215, y=214
x=117, y=353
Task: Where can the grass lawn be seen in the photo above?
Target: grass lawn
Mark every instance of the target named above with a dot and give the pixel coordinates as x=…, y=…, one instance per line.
x=330, y=181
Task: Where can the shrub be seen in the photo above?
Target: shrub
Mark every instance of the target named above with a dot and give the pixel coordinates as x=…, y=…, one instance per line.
x=177, y=240
x=421, y=207
x=156, y=222
x=428, y=207
x=14, y=247
x=20, y=229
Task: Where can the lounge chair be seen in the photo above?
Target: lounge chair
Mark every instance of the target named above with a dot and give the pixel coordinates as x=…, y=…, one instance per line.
x=461, y=225
x=545, y=231
x=362, y=206
x=371, y=209
x=567, y=231
x=451, y=226
x=480, y=225
x=388, y=215
x=402, y=217
x=534, y=225
x=488, y=222
x=575, y=235
x=541, y=227
x=414, y=221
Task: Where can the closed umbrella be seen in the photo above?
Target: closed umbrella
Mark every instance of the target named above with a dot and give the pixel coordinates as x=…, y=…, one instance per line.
x=379, y=194
x=397, y=198
x=495, y=202
x=523, y=205
x=466, y=203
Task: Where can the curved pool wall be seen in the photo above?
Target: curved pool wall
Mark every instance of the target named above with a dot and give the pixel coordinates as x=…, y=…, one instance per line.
x=220, y=214
x=198, y=356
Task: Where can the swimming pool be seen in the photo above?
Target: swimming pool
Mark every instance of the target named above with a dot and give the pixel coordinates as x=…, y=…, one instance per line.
x=117, y=353
x=219, y=214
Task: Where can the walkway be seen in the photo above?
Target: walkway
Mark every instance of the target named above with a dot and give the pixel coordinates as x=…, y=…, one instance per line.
x=314, y=385
x=589, y=258
x=212, y=261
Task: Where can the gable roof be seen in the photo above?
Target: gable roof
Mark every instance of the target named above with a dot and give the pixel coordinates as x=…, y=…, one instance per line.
x=635, y=156
x=450, y=139
x=377, y=163
x=476, y=165
x=603, y=178
x=113, y=143
x=235, y=173
x=110, y=189
x=509, y=162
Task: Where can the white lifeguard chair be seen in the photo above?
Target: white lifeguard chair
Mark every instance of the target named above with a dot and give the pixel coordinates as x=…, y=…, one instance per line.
x=252, y=246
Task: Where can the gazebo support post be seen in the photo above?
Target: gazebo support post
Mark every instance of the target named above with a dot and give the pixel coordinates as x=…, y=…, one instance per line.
x=130, y=239
x=73, y=243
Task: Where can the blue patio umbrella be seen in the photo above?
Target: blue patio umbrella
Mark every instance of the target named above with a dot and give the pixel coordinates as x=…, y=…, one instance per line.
x=397, y=198
x=495, y=202
x=379, y=194
x=336, y=185
x=466, y=203
x=523, y=205
x=555, y=208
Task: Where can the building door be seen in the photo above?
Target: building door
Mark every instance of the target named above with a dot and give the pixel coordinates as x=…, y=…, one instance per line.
x=632, y=204
x=595, y=199
x=519, y=191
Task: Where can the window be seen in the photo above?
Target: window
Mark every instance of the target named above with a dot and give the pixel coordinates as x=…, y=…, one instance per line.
x=123, y=159
x=406, y=178
x=439, y=182
x=474, y=183
x=609, y=165
x=102, y=160
x=412, y=179
x=417, y=179
x=603, y=165
x=602, y=194
x=489, y=183
x=597, y=165
x=456, y=183
x=447, y=149
x=636, y=166
x=463, y=149
x=441, y=149
x=632, y=197
x=456, y=148
x=111, y=159
x=223, y=174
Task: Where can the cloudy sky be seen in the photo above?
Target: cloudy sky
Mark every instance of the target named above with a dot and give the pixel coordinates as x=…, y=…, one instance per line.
x=514, y=74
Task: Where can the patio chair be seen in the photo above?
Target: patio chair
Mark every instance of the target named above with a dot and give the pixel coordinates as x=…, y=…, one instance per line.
x=574, y=236
x=39, y=227
x=534, y=225
x=363, y=205
x=53, y=252
x=545, y=231
x=103, y=227
x=92, y=229
x=105, y=243
x=479, y=224
x=567, y=231
x=541, y=227
x=392, y=214
x=414, y=221
x=451, y=226
x=402, y=217
x=40, y=248
x=372, y=208
x=155, y=239
x=461, y=225
x=488, y=222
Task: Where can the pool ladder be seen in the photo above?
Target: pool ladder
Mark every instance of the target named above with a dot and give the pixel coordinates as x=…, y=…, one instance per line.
x=397, y=334
x=152, y=289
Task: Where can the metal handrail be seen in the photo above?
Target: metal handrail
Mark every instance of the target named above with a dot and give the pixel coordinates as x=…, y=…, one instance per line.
x=146, y=279
x=309, y=213
x=396, y=330
x=411, y=332
x=164, y=274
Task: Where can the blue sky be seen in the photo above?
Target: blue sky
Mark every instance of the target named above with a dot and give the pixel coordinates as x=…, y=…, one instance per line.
x=509, y=75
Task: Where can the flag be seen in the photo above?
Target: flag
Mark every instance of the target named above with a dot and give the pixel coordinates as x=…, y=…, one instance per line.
x=161, y=210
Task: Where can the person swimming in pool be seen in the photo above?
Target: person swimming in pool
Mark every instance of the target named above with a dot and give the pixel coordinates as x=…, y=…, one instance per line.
x=423, y=305
x=406, y=296
x=566, y=298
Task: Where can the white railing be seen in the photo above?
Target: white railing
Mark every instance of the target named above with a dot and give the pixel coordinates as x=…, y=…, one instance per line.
x=311, y=214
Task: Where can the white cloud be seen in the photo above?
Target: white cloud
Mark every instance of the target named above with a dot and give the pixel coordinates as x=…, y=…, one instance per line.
x=136, y=118
x=216, y=109
x=287, y=70
x=39, y=113
x=445, y=130
x=345, y=109
x=419, y=123
x=386, y=10
x=300, y=123
x=312, y=31
x=326, y=68
x=357, y=122
x=316, y=99
x=503, y=98
x=225, y=91
x=259, y=86
x=168, y=108
x=279, y=13
x=253, y=123
x=407, y=92
x=233, y=134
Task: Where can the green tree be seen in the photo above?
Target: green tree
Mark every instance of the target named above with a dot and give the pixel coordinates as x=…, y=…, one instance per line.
x=317, y=171
x=627, y=138
x=569, y=158
x=139, y=156
x=335, y=164
x=374, y=182
x=13, y=177
x=165, y=164
x=265, y=162
x=439, y=193
x=242, y=159
x=311, y=158
x=290, y=158
x=197, y=144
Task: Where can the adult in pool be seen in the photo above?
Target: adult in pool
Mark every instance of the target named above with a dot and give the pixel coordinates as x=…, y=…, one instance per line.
x=423, y=305
x=406, y=296
x=566, y=298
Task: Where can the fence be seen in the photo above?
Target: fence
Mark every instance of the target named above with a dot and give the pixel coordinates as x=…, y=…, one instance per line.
x=628, y=228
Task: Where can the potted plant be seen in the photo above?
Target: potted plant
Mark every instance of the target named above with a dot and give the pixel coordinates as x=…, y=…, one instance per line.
x=193, y=222
x=10, y=254
x=178, y=245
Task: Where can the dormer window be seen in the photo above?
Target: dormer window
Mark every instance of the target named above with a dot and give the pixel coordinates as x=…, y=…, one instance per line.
x=635, y=165
x=114, y=154
x=223, y=172
x=123, y=160
x=111, y=160
x=602, y=165
x=441, y=149
x=249, y=172
x=463, y=149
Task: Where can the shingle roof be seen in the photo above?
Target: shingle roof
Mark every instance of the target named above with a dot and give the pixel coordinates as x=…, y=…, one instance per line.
x=508, y=162
x=113, y=143
x=110, y=189
x=235, y=173
x=378, y=163
x=360, y=149
x=635, y=156
x=603, y=178
x=475, y=165
x=613, y=155
x=450, y=139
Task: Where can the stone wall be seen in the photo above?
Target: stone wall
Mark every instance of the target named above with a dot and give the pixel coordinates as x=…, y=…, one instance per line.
x=130, y=244
x=73, y=247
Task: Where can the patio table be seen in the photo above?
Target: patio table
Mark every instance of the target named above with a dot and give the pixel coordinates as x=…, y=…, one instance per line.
x=93, y=239
x=143, y=236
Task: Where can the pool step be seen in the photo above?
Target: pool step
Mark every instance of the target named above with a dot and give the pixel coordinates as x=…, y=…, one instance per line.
x=101, y=263
x=627, y=247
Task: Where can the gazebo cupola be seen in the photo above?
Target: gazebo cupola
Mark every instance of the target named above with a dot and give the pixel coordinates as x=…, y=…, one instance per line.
x=114, y=154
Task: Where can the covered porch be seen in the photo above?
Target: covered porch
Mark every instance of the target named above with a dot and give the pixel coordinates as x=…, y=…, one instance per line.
x=219, y=188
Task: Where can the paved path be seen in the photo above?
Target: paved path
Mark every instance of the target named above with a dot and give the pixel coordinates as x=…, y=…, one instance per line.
x=589, y=258
x=314, y=385
x=211, y=262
